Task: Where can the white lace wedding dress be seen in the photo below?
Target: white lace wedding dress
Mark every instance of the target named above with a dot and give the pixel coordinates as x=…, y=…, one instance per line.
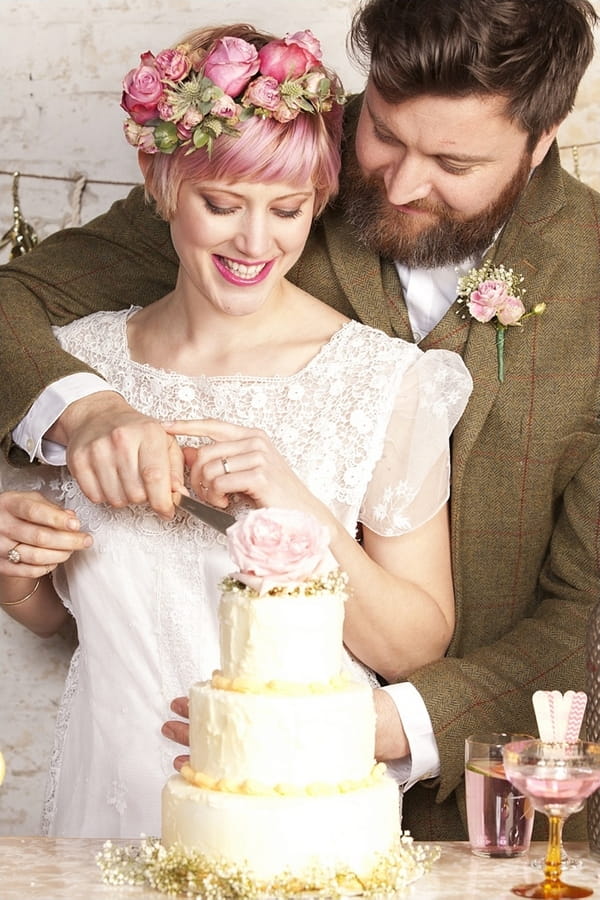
x=365, y=424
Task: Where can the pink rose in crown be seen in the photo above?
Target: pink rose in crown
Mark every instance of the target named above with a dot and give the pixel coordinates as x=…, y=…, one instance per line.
x=174, y=65
x=285, y=113
x=191, y=118
x=142, y=90
x=263, y=92
x=291, y=57
x=225, y=107
x=273, y=547
x=308, y=42
x=165, y=110
x=313, y=81
x=187, y=123
x=231, y=64
x=140, y=136
x=183, y=132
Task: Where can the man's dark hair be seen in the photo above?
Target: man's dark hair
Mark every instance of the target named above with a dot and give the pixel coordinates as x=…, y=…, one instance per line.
x=532, y=52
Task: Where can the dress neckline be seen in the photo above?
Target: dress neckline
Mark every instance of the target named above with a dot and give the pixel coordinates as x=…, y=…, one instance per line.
x=329, y=344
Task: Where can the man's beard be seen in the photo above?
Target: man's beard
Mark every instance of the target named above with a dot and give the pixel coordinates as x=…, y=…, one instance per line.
x=446, y=241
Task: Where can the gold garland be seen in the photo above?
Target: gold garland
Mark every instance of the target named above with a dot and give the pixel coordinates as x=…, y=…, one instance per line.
x=21, y=236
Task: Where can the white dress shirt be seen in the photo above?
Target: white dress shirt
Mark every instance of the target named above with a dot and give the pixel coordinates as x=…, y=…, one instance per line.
x=429, y=293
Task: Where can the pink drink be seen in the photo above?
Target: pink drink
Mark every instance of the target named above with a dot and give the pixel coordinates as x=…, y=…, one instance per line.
x=500, y=818
x=556, y=790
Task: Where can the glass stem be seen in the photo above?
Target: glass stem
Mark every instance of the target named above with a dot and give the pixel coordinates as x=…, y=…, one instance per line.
x=552, y=867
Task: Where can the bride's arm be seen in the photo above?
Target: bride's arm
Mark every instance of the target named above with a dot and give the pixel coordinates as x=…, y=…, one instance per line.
x=34, y=603
x=400, y=612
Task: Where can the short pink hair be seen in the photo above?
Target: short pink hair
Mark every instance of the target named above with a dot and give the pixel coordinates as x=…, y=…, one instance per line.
x=306, y=149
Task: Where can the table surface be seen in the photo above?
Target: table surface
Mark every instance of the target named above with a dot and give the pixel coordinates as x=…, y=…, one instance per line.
x=65, y=869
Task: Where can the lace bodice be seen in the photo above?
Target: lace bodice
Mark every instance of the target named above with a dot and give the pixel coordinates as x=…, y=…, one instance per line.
x=362, y=395
x=365, y=424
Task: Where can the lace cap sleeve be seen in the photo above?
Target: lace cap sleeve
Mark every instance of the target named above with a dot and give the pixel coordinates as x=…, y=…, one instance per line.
x=411, y=480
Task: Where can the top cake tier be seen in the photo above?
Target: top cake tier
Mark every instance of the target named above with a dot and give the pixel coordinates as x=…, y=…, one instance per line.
x=294, y=637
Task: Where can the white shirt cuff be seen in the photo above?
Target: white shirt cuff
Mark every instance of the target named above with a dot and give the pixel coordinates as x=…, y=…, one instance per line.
x=424, y=759
x=48, y=407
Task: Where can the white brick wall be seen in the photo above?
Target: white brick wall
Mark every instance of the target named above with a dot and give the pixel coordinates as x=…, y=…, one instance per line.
x=61, y=67
x=61, y=63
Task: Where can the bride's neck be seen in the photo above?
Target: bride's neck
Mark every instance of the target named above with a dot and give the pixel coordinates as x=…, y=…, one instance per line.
x=171, y=334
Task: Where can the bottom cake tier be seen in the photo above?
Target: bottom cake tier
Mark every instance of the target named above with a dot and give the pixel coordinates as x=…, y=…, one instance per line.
x=272, y=836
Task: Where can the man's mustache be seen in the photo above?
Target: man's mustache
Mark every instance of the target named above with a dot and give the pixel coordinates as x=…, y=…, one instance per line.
x=421, y=205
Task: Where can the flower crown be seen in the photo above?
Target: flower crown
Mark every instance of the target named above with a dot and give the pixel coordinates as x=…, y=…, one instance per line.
x=185, y=97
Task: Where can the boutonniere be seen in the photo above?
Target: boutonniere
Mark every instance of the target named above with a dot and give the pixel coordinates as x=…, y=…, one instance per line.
x=494, y=294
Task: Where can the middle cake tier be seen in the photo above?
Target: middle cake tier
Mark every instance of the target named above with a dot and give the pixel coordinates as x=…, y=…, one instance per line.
x=278, y=739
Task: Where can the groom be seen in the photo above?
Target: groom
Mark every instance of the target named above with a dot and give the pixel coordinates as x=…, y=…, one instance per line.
x=450, y=162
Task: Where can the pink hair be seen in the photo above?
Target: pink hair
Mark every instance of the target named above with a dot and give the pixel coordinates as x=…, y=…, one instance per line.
x=307, y=149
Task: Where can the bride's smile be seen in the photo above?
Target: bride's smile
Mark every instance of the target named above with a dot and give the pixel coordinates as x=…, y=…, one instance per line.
x=236, y=242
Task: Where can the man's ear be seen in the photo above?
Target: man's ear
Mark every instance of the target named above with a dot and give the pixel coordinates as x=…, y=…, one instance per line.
x=543, y=145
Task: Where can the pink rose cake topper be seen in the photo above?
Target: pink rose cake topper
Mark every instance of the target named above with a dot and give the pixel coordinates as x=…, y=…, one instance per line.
x=183, y=97
x=275, y=547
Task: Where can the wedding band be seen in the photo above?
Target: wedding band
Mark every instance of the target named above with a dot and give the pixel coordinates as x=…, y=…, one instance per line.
x=14, y=555
x=226, y=468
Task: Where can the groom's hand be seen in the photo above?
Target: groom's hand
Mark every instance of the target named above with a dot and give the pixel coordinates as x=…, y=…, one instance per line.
x=118, y=455
x=390, y=738
x=177, y=730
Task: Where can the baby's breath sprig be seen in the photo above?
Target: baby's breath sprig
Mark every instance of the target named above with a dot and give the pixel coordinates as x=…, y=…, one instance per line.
x=178, y=873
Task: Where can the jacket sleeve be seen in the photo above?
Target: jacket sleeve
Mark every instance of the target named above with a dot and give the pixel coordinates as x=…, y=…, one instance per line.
x=123, y=257
x=491, y=688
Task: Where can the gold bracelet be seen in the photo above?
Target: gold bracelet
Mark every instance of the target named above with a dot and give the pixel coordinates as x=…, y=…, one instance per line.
x=23, y=599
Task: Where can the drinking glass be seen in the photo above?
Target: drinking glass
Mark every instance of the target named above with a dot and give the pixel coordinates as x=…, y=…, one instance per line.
x=499, y=817
x=557, y=776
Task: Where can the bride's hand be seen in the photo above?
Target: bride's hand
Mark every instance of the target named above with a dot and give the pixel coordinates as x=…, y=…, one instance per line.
x=37, y=534
x=241, y=460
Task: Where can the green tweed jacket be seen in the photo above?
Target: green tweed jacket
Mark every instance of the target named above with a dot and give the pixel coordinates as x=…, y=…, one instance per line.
x=525, y=507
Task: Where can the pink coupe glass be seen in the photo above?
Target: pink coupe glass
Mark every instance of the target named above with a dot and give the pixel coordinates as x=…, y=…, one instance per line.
x=557, y=777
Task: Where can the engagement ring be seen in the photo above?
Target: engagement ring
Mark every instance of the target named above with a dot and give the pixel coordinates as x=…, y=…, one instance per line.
x=14, y=555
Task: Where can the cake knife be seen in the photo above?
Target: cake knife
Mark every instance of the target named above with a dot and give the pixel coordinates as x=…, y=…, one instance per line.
x=216, y=518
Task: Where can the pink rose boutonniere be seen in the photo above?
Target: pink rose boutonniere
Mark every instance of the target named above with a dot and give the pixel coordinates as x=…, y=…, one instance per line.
x=494, y=294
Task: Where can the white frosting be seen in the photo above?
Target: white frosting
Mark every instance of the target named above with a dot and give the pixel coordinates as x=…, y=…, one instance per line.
x=282, y=637
x=278, y=721
x=271, y=834
x=298, y=740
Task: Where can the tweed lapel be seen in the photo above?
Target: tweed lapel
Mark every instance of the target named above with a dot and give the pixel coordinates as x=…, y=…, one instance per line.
x=520, y=246
x=370, y=284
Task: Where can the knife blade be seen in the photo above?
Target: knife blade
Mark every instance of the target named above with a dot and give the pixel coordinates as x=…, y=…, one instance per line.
x=216, y=518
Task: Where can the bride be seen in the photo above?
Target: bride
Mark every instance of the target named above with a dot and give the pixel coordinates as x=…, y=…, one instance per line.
x=277, y=399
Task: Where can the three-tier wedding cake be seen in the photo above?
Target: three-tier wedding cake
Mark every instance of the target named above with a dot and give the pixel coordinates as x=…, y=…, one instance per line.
x=282, y=781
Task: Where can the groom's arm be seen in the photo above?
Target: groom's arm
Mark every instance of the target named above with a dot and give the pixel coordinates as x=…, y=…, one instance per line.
x=123, y=257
